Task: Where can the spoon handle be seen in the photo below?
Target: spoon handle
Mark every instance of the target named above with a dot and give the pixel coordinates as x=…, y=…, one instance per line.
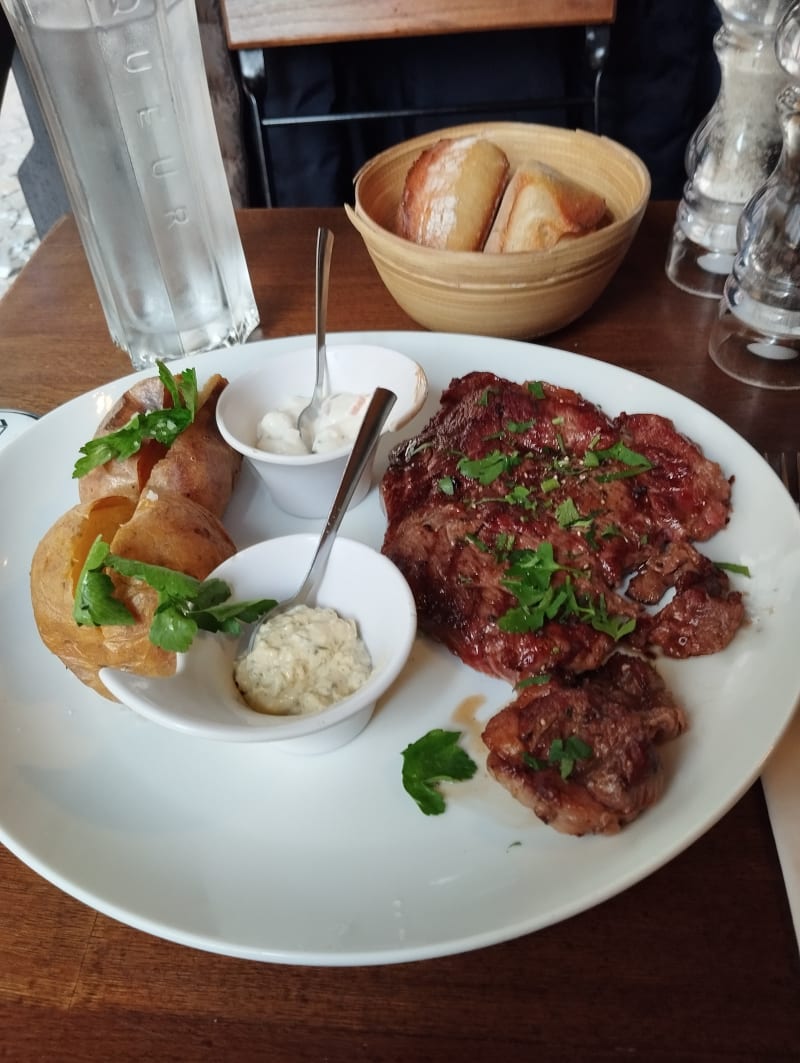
x=323, y=274
x=369, y=433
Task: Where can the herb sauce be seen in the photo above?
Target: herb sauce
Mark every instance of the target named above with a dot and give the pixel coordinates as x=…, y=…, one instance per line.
x=302, y=662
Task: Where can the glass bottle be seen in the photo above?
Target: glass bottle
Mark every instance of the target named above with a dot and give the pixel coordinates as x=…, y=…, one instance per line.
x=732, y=151
x=123, y=91
x=756, y=337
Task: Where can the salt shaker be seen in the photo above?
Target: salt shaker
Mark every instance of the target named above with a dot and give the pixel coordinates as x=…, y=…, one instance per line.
x=122, y=88
x=756, y=337
x=733, y=150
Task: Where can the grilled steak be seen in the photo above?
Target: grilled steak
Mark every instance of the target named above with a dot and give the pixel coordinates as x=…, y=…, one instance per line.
x=517, y=515
x=582, y=753
x=503, y=468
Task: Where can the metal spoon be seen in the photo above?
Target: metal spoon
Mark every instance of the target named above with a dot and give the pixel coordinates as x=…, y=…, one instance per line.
x=369, y=433
x=308, y=416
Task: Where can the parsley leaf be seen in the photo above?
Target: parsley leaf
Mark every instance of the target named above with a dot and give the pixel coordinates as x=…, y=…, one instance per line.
x=520, y=426
x=729, y=566
x=434, y=758
x=563, y=754
x=567, y=513
x=185, y=605
x=635, y=462
x=529, y=578
x=164, y=426
x=486, y=470
x=532, y=681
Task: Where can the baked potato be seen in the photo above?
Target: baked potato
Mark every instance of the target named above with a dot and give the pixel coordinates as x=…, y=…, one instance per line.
x=160, y=529
x=198, y=464
x=161, y=506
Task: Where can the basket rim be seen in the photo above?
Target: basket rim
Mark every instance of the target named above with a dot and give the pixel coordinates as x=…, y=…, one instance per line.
x=474, y=128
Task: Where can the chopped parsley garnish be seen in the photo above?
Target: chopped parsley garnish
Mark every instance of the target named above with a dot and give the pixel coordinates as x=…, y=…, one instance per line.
x=567, y=513
x=520, y=426
x=536, y=389
x=563, y=754
x=635, y=463
x=532, y=681
x=446, y=485
x=504, y=543
x=434, y=758
x=185, y=605
x=164, y=426
x=486, y=470
x=529, y=578
x=729, y=566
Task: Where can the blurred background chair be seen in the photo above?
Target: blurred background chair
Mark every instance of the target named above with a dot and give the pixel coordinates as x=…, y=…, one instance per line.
x=329, y=83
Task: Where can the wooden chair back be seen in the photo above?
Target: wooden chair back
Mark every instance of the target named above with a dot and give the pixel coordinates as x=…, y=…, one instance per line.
x=272, y=23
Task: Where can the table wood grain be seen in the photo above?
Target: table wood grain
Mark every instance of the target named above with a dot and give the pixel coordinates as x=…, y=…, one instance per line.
x=696, y=963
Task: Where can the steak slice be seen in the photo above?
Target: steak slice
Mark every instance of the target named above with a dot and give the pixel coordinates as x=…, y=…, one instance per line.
x=704, y=614
x=619, y=714
x=503, y=468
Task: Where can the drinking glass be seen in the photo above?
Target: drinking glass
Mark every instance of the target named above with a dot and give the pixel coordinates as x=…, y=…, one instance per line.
x=123, y=91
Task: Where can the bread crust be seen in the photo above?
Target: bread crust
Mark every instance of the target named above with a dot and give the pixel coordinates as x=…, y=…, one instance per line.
x=451, y=194
x=540, y=207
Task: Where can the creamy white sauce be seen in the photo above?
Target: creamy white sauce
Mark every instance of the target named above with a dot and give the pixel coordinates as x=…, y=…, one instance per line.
x=338, y=423
x=302, y=661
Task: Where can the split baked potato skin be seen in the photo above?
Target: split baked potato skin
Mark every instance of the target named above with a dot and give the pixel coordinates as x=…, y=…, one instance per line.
x=162, y=507
x=199, y=464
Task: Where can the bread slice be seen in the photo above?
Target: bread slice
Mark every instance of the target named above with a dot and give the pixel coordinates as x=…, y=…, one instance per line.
x=541, y=206
x=451, y=194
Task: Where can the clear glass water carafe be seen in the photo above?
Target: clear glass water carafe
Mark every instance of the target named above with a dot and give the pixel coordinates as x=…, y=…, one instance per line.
x=123, y=91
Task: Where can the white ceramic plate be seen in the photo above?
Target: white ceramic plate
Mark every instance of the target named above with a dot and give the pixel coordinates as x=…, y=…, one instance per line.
x=243, y=850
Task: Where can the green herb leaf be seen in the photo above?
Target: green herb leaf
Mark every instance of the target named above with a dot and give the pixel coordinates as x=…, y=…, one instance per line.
x=486, y=470
x=563, y=754
x=520, y=426
x=446, y=485
x=636, y=463
x=434, y=758
x=532, y=681
x=567, y=513
x=94, y=602
x=503, y=544
x=185, y=605
x=729, y=566
x=529, y=579
x=536, y=389
x=162, y=425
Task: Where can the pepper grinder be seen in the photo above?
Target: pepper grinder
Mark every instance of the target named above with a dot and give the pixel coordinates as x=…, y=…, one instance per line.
x=756, y=337
x=733, y=149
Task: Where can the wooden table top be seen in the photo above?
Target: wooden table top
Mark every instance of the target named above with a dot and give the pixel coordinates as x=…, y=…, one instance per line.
x=697, y=962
